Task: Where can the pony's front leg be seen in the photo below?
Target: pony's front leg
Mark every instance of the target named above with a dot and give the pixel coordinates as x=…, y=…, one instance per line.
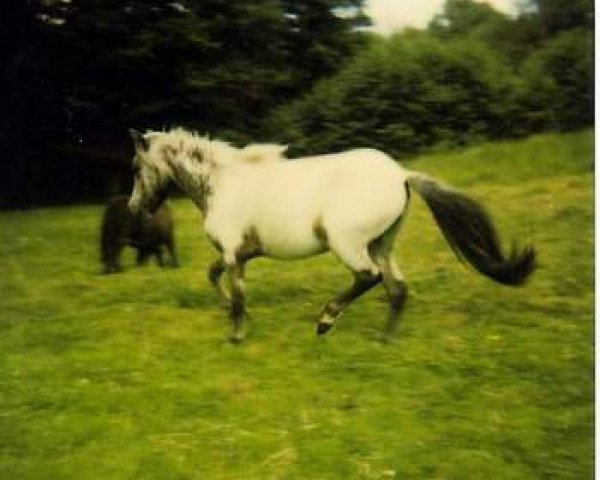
x=237, y=308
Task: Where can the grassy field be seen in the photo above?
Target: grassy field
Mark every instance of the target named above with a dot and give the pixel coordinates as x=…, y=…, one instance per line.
x=130, y=376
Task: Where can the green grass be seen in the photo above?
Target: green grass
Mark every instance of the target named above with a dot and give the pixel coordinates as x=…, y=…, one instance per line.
x=131, y=377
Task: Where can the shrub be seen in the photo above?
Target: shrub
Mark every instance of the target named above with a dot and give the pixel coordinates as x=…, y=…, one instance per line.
x=557, y=87
x=404, y=95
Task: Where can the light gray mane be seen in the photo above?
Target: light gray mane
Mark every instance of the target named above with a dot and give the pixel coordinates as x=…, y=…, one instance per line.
x=179, y=141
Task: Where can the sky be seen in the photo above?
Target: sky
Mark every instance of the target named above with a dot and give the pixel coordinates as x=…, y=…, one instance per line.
x=390, y=15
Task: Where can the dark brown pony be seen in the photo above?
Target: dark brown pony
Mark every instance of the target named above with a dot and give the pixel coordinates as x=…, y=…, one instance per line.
x=147, y=235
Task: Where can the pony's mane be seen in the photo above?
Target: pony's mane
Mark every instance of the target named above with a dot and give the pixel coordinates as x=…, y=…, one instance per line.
x=191, y=144
x=261, y=152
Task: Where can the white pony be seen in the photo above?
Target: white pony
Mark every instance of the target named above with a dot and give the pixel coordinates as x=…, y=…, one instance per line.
x=256, y=202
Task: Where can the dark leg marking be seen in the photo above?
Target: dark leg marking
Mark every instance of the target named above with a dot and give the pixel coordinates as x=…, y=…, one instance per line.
x=237, y=309
x=395, y=287
x=251, y=246
x=363, y=282
x=215, y=271
x=320, y=232
x=397, y=291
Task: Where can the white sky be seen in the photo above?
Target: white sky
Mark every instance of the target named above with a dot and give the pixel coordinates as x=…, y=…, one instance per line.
x=390, y=15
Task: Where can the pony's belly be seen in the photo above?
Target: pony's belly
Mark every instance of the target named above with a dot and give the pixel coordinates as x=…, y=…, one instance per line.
x=289, y=250
x=288, y=244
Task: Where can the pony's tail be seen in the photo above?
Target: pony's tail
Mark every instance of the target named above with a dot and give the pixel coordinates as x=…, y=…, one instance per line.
x=470, y=232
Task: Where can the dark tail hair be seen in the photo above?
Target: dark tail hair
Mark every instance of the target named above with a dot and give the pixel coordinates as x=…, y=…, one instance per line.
x=470, y=232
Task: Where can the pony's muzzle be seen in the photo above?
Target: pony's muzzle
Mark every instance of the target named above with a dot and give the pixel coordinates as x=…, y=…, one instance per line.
x=138, y=210
x=134, y=207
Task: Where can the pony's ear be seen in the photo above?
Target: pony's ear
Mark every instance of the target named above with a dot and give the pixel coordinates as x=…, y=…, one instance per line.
x=140, y=142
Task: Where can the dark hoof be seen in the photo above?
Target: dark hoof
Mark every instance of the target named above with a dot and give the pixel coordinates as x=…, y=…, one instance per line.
x=323, y=328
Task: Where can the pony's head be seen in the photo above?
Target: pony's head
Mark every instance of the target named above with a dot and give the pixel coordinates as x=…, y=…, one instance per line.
x=179, y=156
x=152, y=177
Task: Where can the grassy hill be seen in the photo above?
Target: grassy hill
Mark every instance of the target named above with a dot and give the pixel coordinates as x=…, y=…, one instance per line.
x=130, y=376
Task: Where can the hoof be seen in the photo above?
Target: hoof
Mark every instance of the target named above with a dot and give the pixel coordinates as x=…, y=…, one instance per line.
x=323, y=328
x=237, y=337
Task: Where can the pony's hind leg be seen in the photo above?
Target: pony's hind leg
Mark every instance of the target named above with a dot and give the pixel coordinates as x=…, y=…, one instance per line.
x=366, y=276
x=111, y=259
x=215, y=271
x=393, y=280
x=237, y=308
x=142, y=256
x=396, y=291
x=158, y=253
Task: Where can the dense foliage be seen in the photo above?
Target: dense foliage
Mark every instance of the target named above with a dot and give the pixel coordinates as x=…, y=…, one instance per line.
x=77, y=74
x=473, y=74
x=403, y=95
x=558, y=82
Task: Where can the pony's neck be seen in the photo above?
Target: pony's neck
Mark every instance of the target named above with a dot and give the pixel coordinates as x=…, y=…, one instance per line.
x=194, y=181
x=197, y=164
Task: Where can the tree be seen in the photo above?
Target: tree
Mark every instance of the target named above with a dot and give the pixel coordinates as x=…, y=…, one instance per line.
x=557, y=74
x=30, y=96
x=513, y=38
x=81, y=72
x=558, y=83
x=211, y=64
x=463, y=18
x=556, y=16
x=321, y=35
